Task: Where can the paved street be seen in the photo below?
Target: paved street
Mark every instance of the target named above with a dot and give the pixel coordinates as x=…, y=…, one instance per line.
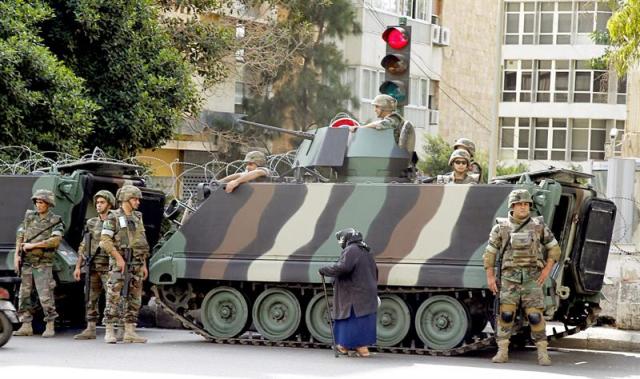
x=172, y=354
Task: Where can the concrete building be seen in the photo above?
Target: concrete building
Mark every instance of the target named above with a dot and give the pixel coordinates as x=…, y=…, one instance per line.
x=558, y=101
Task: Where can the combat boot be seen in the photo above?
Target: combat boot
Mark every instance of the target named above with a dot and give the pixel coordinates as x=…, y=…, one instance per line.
x=25, y=330
x=109, y=334
x=88, y=334
x=130, y=335
x=49, y=330
x=120, y=333
x=503, y=352
x=543, y=355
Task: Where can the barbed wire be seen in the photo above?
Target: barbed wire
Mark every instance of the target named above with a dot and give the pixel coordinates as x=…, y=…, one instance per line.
x=26, y=161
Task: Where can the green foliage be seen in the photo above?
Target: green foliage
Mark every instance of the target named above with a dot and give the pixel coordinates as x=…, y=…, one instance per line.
x=307, y=90
x=437, y=152
x=43, y=104
x=624, y=32
x=142, y=85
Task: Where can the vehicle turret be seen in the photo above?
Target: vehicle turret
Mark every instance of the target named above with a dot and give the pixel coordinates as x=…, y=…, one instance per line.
x=367, y=155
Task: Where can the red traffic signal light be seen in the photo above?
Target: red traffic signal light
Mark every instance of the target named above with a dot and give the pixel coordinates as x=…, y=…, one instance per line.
x=396, y=36
x=396, y=63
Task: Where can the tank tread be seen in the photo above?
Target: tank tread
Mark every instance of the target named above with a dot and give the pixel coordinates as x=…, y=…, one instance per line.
x=252, y=338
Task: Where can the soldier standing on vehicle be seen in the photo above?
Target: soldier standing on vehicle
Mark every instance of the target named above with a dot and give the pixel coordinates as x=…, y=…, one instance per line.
x=470, y=147
x=97, y=259
x=528, y=252
x=123, y=235
x=256, y=168
x=385, y=108
x=38, y=236
x=459, y=162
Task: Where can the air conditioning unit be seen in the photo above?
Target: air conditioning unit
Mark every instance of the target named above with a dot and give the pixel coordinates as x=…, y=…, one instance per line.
x=445, y=36
x=434, y=117
x=435, y=34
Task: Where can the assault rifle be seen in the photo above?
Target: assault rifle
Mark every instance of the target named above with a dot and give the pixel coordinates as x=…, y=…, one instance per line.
x=127, y=254
x=86, y=268
x=22, y=253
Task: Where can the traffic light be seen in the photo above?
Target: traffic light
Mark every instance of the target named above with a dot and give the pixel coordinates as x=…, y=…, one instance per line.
x=396, y=63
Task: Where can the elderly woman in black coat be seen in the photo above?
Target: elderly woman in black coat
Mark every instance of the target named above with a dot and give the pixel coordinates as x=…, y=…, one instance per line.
x=355, y=298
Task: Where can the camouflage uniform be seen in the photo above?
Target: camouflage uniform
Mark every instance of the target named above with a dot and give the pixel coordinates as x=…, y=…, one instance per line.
x=112, y=238
x=37, y=266
x=470, y=147
x=524, y=255
x=99, y=270
x=450, y=177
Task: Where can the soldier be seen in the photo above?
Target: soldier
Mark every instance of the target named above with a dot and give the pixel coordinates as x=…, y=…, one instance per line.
x=385, y=108
x=256, y=163
x=459, y=162
x=470, y=147
x=38, y=237
x=123, y=230
x=99, y=265
x=529, y=250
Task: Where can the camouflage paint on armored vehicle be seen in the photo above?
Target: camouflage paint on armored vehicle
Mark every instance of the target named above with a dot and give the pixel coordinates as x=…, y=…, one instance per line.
x=74, y=185
x=253, y=257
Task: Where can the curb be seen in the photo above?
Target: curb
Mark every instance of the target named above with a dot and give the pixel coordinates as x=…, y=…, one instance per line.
x=601, y=338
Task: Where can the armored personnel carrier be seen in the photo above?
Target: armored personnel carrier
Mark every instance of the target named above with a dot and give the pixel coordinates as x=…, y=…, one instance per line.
x=74, y=185
x=243, y=267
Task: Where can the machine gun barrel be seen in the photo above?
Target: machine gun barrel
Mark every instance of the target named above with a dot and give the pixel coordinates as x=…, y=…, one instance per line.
x=296, y=133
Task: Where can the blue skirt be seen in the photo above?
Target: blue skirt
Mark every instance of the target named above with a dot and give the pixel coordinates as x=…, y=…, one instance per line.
x=355, y=331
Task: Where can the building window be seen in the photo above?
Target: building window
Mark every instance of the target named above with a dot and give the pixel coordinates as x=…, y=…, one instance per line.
x=514, y=138
x=510, y=81
x=590, y=86
x=561, y=86
x=240, y=97
x=592, y=16
x=587, y=139
x=548, y=138
x=416, y=9
x=371, y=81
x=519, y=23
x=419, y=94
x=622, y=90
x=543, y=94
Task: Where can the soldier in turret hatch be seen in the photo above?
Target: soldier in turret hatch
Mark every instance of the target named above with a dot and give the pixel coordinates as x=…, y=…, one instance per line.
x=256, y=163
x=385, y=108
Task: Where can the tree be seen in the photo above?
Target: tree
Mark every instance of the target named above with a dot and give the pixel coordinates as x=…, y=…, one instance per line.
x=624, y=34
x=43, y=104
x=141, y=83
x=307, y=90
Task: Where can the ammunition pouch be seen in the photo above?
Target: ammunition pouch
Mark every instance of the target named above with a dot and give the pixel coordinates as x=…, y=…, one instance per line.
x=38, y=256
x=525, y=249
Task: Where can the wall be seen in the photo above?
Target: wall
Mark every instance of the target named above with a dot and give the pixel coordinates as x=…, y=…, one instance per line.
x=467, y=88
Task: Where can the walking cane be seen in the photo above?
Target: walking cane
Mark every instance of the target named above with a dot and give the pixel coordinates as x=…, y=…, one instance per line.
x=326, y=298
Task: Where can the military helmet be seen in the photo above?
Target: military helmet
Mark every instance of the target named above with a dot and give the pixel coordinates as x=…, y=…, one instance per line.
x=128, y=192
x=256, y=157
x=467, y=144
x=385, y=102
x=520, y=196
x=459, y=153
x=108, y=196
x=347, y=236
x=46, y=196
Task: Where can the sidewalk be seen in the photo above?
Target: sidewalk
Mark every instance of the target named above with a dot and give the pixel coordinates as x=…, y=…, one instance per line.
x=601, y=338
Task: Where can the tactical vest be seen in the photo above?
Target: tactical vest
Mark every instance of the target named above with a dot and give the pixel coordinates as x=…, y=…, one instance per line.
x=135, y=234
x=32, y=226
x=524, y=248
x=98, y=256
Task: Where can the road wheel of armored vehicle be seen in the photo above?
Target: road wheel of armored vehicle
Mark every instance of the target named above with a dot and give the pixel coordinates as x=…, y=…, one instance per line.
x=224, y=312
x=316, y=318
x=177, y=296
x=394, y=320
x=442, y=322
x=276, y=314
